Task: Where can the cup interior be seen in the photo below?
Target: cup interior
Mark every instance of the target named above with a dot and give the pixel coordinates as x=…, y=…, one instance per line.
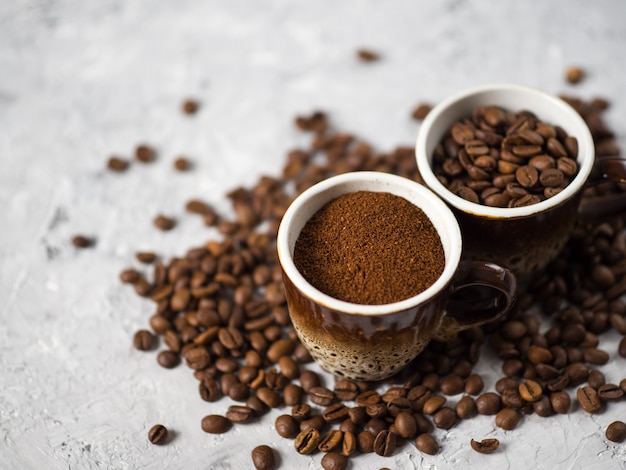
x=314, y=198
x=546, y=107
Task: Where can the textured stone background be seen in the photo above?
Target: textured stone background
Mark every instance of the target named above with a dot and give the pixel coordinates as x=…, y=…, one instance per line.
x=81, y=80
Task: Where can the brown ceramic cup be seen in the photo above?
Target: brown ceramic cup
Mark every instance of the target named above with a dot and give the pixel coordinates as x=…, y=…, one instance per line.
x=372, y=342
x=524, y=239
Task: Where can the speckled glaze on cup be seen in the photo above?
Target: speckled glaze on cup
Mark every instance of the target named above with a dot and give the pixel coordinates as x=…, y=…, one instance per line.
x=525, y=239
x=372, y=342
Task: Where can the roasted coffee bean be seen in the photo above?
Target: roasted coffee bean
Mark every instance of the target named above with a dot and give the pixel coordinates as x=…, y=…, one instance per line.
x=507, y=418
x=144, y=340
x=197, y=358
x=385, y=443
x=444, y=418
x=239, y=392
x=82, y=241
x=367, y=397
x=263, y=458
x=269, y=397
x=466, y=407
x=321, y=396
x=452, y=385
x=215, y=424
x=309, y=380
x=117, y=164
x=306, y=441
x=145, y=153
x=345, y=390
x=577, y=373
x=330, y=441
x=596, y=379
x=610, y=392
x=335, y=412
x=405, y=424
x=289, y=367
x=209, y=390
x=315, y=421
x=474, y=384
x=433, y=404
x=301, y=412
x=191, y=106
x=539, y=355
x=239, y=413
x=349, y=444
x=163, y=222
x=157, y=434
x=616, y=431
x=168, y=359
x=595, y=356
x=334, y=461
x=512, y=398
x=292, y=394
x=365, y=442
x=588, y=399
x=358, y=415
x=286, y=426
x=560, y=402
x=486, y=446
x=530, y=390
x=488, y=403
x=427, y=444
x=375, y=425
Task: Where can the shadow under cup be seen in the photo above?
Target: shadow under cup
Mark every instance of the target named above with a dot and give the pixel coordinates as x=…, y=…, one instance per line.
x=372, y=342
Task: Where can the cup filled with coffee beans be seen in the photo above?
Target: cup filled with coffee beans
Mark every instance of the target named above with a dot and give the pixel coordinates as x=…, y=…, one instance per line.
x=372, y=271
x=512, y=162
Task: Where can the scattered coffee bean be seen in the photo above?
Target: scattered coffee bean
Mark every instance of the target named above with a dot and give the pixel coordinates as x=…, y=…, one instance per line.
x=215, y=424
x=157, y=434
x=330, y=441
x=306, y=442
x=145, y=153
x=168, y=359
x=588, y=399
x=367, y=55
x=146, y=257
x=560, y=402
x=427, y=444
x=420, y=112
x=263, y=458
x=486, y=446
x=385, y=443
x=182, y=164
x=507, y=418
x=117, y=164
x=334, y=461
x=82, y=241
x=190, y=106
x=144, y=340
x=287, y=426
x=574, y=75
x=610, y=392
x=164, y=223
x=616, y=431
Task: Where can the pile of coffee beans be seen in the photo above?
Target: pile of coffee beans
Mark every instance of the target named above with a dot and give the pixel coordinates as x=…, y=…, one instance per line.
x=504, y=159
x=220, y=310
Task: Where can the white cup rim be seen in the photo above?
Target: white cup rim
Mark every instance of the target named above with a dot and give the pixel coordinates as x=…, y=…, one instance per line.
x=317, y=195
x=503, y=95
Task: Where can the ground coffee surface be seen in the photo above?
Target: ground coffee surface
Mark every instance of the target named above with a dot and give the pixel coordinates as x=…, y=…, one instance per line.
x=369, y=248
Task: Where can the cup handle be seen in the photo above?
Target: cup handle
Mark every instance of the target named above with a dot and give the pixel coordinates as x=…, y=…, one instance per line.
x=493, y=296
x=606, y=169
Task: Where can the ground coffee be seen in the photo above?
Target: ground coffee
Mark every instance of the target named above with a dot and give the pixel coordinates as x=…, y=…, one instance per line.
x=370, y=248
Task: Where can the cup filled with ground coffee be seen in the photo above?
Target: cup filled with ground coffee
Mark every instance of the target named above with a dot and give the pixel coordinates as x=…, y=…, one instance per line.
x=372, y=270
x=512, y=162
